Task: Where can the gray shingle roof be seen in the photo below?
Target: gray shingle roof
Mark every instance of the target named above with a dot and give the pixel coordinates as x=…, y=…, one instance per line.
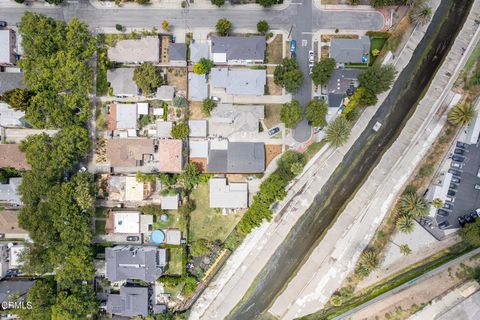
x=10, y=289
x=166, y=93
x=245, y=118
x=198, y=51
x=197, y=87
x=335, y=100
x=132, y=301
x=7, y=44
x=10, y=81
x=130, y=262
x=9, y=192
x=239, y=81
x=240, y=157
x=177, y=52
x=121, y=81
x=240, y=48
x=349, y=50
x=341, y=80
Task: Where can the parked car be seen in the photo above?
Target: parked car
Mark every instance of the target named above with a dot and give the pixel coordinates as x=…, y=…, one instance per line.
x=477, y=187
x=458, y=158
x=450, y=199
x=460, y=151
x=442, y=213
x=473, y=215
x=456, y=180
x=311, y=56
x=448, y=206
x=451, y=192
x=457, y=165
x=3, y=24
x=133, y=238
x=468, y=218
x=293, y=46
x=455, y=172
x=453, y=186
x=462, y=221
x=216, y=99
x=462, y=145
x=273, y=131
x=444, y=225
x=310, y=70
x=477, y=211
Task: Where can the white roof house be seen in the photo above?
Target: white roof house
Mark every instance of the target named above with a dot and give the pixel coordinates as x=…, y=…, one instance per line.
x=10, y=117
x=142, y=108
x=7, y=46
x=133, y=189
x=474, y=128
x=121, y=82
x=198, y=128
x=197, y=87
x=173, y=236
x=15, y=252
x=126, y=116
x=164, y=129
x=146, y=49
x=126, y=222
x=166, y=93
x=244, y=118
x=228, y=196
x=239, y=81
x=169, y=202
x=198, y=149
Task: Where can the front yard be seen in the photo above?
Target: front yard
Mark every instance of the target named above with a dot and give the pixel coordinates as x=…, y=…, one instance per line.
x=274, y=50
x=272, y=115
x=207, y=223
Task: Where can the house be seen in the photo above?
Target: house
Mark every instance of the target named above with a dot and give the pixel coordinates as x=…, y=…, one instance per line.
x=142, y=109
x=228, y=196
x=14, y=290
x=122, y=117
x=473, y=129
x=350, y=50
x=244, y=118
x=15, y=253
x=9, y=228
x=135, y=263
x=239, y=81
x=173, y=236
x=9, y=191
x=177, y=54
x=10, y=117
x=121, y=82
x=126, y=222
x=198, y=128
x=238, y=50
x=126, y=188
x=343, y=81
x=142, y=50
x=198, y=153
x=197, y=87
x=170, y=155
x=237, y=157
x=166, y=93
x=10, y=81
x=170, y=201
x=164, y=129
x=11, y=156
x=133, y=301
x=130, y=152
x=335, y=100
x=198, y=51
x=7, y=47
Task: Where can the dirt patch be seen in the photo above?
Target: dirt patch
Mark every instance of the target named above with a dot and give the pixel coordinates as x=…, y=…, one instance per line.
x=272, y=115
x=328, y=37
x=177, y=77
x=196, y=111
x=236, y=178
x=270, y=70
x=271, y=151
x=200, y=162
x=272, y=88
x=325, y=52
x=274, y=50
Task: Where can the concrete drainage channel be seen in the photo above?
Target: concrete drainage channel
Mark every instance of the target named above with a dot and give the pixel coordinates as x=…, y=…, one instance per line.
x=359, y=161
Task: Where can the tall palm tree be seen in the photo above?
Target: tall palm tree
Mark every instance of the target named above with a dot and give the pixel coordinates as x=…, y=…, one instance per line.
x=405, y=224
x=405, y=249
x=413, y=205
x=437, y=203
x=338, y=132
x=421, y=13
x=369, y=260
x=462, y=114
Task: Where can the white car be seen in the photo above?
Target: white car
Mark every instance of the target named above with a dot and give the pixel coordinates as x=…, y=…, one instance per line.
x=311, y=56
x=310, y=69
x=457, y=165
x=451, y=199
x=216, y=99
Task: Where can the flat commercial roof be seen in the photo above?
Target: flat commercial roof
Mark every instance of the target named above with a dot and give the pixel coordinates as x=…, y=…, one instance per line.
x=126, y=222
x=133, y=189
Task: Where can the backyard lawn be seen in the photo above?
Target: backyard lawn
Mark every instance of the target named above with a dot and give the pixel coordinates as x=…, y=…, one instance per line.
x=376, y=43
x=206, y=223
x=175, y=261
x=175, y=220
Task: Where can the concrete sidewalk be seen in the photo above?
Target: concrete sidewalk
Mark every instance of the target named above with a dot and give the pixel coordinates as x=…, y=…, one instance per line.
x=336, y=255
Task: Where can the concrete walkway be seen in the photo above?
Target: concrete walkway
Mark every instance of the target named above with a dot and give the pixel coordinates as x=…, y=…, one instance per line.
x=336, y=255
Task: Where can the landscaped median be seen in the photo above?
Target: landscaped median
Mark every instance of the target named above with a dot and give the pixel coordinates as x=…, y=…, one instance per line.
x=348, y=301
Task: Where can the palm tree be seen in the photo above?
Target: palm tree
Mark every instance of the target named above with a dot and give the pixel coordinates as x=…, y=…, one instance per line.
x=462, y=114
x=421, y=13
x=369, y=260
x=338, y=132
x=405, y=224
x=405, y=249
x=437, y=203
x=413, y=205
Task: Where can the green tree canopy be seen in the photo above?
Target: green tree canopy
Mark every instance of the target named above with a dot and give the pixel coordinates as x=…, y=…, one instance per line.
x=471, y=233
x=208, y=105
x=223, y=26
x=413, y=205
x=148, y=78
x=338, y=132
x=267, y=3
x=180, y=131
x=262, y=26
x=218, y=3
x=316, y=113
x=405, y=224
x=420, y=13
x=462, y=114
x=288, y=75
x=203, y=66
x=377, y=78
x=42, y=295
x=291, y=113
x=323, y=70
x=180, y=102
x=18, y=99
x=190, y=176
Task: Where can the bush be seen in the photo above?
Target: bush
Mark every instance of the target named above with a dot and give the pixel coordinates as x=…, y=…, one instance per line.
x=208, y=105
x=223, y=26
x=180, y=131
x=378, y=34
x=119, y=27
x=180, y=102
x=203, y=66
x=426, y=170
x=200, y=247
x=218, y=3
x=262, y=27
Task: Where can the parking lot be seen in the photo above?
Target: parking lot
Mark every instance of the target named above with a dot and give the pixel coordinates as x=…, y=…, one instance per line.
x=466, y=198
